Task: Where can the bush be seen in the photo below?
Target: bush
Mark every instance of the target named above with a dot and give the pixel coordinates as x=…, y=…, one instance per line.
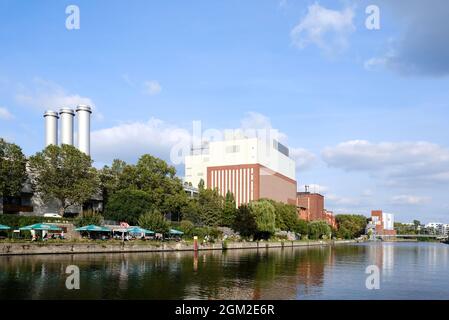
x=211, y=232
x=319, y=229
x=16, y=221
x=350, y=226
x=265, y=216
x=244, y=222
x=154, y=221
x=87, y=218
x=301, y=227
x=187, y=227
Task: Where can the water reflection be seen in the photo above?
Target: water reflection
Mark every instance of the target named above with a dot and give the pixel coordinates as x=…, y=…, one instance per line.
x=291, y=273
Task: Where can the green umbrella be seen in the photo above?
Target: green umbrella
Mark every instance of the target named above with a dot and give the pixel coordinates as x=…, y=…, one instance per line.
x=92, y=227
x=41, y=226
x=176, y=232
x=139, y=230
x=3, y=227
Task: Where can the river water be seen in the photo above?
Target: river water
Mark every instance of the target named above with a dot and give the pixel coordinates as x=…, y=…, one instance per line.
x=406, y=271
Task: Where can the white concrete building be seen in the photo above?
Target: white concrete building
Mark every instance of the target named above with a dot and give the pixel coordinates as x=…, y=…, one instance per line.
x=249, y=167
x=438, y=227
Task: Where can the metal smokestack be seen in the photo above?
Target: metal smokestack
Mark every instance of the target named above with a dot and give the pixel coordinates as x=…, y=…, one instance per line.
x=51, y=128
x=83, y=112
x=66, y=125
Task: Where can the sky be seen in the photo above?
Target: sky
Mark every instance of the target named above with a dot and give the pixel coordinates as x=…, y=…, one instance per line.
x=364, y=111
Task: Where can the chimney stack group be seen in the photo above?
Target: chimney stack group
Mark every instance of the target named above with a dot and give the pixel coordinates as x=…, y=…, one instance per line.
x=67, y=116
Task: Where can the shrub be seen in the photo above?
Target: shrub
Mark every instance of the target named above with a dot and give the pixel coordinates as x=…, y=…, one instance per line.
x=319, y=229
x=244, y=222
x=16, y=221
x=87, y=218
x=265, y=216
x=154, y=221
x=187, y=227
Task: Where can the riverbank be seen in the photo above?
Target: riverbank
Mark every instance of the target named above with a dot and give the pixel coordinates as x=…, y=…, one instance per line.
x=27, y=248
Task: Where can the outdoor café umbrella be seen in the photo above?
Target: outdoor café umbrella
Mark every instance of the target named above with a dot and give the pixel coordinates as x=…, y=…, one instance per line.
x=139, y=230
x=92, y=227
x=176, y=232
x=41, y=227
x=3, y=227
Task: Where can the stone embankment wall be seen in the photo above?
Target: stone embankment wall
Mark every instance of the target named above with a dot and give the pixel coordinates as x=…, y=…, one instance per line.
x=70, y=248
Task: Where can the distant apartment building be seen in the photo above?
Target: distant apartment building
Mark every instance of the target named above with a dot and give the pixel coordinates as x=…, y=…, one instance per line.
x=438, y=228
x=383, y=223
x=311, y=207
x=251, y=168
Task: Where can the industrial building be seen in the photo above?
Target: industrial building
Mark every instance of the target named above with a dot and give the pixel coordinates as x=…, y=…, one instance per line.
x=27, y=202
x=382, y=223
x=311, y=207
x=67, y=116
x=250, y=168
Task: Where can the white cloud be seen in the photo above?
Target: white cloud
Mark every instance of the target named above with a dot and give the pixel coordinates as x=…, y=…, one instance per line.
x=152, y=87
x=5, y=114
x=374, y=63
x=327, y=29
x=315, y=188
x=421, y=47
x=49, y=95
x=127, y=79
x=128, y=141
x=412, y=162
x=256, y=121
x=304, y=159
x=342, y=201
x=409, y=200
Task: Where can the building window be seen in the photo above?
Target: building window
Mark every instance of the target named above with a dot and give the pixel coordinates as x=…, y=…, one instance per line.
x=232, y=149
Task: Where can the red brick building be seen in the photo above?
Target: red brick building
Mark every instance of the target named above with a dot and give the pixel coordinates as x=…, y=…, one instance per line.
x=311, y=207
x=384, y=222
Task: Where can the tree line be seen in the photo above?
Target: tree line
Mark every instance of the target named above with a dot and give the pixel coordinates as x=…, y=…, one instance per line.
x=147, y=192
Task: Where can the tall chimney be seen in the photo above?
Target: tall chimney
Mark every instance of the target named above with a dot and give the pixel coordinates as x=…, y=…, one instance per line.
x=66, y=116
x=83, y=112
x=51, y=128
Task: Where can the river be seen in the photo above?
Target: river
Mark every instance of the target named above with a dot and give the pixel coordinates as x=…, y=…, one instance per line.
x=407, y=271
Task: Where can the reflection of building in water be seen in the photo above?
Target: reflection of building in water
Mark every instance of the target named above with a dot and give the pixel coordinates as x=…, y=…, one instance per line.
x=381, y=255
x=285, y=277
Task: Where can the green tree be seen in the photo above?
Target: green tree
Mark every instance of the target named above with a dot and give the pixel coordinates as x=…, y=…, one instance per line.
x=319, y=229
x=201, y=185
x=301, y=227
x=265, y=216
x=65, y=174
x=192, y=211
x=128, y=205
x=110, y=178
x=211, y=207
x=350, y=226
x=153, y=176
x=12, y=169
x=229, y=210
x=244, y=222
x=286, y=216
x=154, y=221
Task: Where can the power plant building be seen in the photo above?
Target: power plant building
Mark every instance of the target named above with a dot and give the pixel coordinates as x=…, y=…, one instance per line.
x=250, y=168
x=59, y=129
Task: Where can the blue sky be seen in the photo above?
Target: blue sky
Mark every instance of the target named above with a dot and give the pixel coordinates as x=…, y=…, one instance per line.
x=364, y=111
